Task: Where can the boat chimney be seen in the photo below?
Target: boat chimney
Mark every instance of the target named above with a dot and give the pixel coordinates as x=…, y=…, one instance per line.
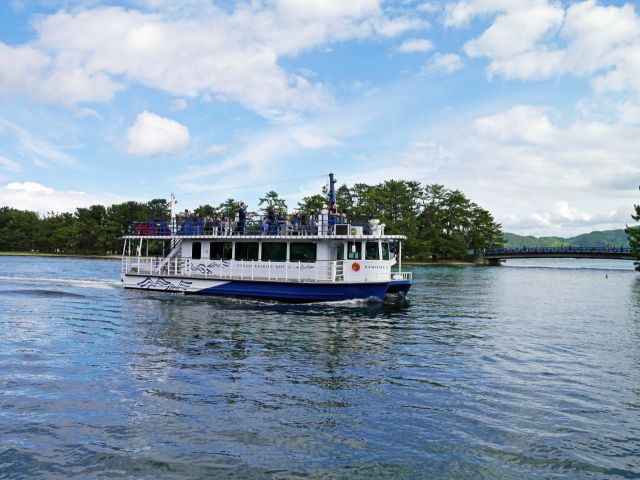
x=332, y=190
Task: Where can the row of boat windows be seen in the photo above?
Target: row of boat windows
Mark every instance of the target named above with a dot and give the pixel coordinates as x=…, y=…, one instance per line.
x=271, y=251
x=372, y=251
x=277, y=251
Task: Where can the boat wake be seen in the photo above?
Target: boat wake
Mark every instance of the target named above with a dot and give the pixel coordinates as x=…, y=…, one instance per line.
x=41, y=293
x=70, y=282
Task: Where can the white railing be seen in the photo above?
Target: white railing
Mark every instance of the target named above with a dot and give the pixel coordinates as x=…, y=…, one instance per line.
x=319, y=271
x=402, y=275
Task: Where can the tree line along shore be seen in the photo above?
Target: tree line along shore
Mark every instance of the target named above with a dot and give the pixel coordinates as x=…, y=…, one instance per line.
x=440, y=224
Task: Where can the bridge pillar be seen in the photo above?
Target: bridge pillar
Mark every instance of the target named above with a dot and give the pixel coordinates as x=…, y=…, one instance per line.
x=493, y=262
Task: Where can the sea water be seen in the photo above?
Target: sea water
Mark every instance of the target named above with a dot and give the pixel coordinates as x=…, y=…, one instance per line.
x=529, y=370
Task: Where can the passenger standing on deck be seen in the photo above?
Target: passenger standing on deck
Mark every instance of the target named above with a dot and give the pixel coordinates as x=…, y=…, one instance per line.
x=197, y=224
x=333, y=218
x=303, y=224
x=282, y=223
x=324, y=214
x=312, y=223
x=271, y=220
x=242, y=218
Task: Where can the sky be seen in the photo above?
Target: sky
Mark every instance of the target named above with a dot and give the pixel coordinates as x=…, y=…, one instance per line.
x=529, y=107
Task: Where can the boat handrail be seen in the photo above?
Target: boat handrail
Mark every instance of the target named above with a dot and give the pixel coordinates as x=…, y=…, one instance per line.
x=256, y=226
x=318, y=271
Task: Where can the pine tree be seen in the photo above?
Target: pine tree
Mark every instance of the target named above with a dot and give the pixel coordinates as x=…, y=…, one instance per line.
x=634, y=238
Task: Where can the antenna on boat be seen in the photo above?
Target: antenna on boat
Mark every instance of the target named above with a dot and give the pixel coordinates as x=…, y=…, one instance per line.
x=173, y=203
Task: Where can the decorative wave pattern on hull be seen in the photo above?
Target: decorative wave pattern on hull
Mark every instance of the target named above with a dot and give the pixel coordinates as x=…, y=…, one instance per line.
x=164, y=285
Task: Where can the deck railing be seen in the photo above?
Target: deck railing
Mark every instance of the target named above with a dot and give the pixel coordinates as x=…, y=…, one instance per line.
x=256, y=226
x=524, y=250
x=319, y=271
x=402, y=276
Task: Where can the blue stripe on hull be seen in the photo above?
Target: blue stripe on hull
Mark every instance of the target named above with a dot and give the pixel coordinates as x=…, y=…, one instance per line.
x=399, y=286
x=298, y=292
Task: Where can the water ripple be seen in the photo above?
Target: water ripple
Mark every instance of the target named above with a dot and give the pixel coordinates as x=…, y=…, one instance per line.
x=488, y=373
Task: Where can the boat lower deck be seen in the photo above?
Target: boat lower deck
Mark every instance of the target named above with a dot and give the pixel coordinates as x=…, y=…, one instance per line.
x=289, y=291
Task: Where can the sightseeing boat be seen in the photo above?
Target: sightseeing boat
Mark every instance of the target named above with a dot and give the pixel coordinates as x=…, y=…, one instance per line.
x=331, y=259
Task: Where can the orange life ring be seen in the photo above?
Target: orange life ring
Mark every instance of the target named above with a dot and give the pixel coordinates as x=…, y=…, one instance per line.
x=355, y=266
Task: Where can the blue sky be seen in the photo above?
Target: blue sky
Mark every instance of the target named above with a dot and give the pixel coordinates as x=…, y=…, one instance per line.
x=530, y=107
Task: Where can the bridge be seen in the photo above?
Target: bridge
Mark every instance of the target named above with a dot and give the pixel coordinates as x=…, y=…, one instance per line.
x=494, y=256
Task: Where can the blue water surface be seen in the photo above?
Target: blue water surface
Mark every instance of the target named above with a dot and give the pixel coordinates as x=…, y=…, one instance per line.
x=529, y=370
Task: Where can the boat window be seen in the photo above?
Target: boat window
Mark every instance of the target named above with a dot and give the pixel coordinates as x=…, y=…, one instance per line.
x=220, y=250
x=196, y=250
x=303, y=252
x=274, y=251
x=246, y=251
x=354, y=250
x=385, y=251
x=372, y=251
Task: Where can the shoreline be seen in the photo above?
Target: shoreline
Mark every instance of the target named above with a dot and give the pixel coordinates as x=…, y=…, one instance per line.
x=60, y=255
x=445, y=263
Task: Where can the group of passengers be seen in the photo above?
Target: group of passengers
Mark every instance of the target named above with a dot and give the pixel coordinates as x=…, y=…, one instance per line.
x=206, y=225
x=273, y=223
x=302, y=223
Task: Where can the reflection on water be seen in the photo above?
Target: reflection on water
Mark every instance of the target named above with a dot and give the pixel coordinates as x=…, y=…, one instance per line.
x=504, y=372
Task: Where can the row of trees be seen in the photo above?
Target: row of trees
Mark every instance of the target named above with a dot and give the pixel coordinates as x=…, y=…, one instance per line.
x=439, y=223
x=95, y=230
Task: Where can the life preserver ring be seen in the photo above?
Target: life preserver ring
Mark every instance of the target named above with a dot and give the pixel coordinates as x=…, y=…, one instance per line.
x=355, y=266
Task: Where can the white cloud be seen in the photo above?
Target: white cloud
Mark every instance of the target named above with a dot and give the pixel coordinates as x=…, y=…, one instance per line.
x=427, y=7
x=596, y=32
x=152, y=134
x=29, y=187
x=567, y=212
x=415, y=45
x=89, y=55
x=522, y=123
x=39, y=151
x=534, y=65
x=536, y=172
x=460, y=13
x=20, y=67
x=42, y=199
x=629, y=113
x=217, y=148
x=10, y=165
x=26, y=69
x=561, y=177
x=262, y=156
x=446, y=63
x=516, y=31
x=540, y=39
x=178, y=104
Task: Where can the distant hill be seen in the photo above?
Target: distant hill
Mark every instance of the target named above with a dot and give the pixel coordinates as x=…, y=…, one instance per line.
x=607, y=238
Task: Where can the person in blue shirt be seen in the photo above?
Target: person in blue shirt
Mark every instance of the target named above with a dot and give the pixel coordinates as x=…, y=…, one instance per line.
x=242, y=218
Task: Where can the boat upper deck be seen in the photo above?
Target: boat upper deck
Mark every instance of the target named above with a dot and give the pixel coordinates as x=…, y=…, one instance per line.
x=324, y=229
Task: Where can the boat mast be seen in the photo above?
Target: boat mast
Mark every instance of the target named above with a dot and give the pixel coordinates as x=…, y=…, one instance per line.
x=173, y=203
x=332, y=190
